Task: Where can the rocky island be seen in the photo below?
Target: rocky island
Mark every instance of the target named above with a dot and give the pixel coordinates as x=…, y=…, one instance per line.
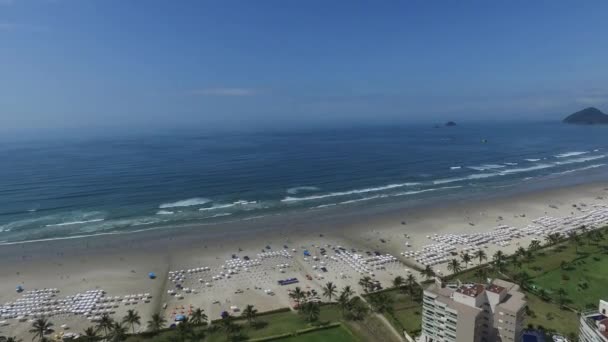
x=587, y=116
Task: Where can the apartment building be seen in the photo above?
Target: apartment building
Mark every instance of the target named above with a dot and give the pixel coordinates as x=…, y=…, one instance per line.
x=473, y=312
x=593, y=324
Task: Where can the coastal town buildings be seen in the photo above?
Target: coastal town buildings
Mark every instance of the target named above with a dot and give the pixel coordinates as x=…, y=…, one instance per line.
x=473, y=312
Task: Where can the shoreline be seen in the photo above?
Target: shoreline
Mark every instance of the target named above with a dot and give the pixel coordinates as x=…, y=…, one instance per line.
x=119, y=263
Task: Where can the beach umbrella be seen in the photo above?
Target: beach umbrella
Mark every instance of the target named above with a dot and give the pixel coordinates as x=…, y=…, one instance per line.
x=19, y=288
x=180, y=318
x=151, y=275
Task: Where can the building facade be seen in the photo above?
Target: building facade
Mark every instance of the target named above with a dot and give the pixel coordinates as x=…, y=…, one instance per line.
x=473, y=313
x=593, y=324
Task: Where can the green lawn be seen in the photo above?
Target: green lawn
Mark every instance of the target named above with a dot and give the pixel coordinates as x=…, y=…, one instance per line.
x=407, y=314
x=338, y=334
x=551, y=317
x=271, y=324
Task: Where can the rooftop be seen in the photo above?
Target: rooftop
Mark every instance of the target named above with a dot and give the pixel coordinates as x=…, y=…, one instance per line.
x=471, y=290
x=495, y=288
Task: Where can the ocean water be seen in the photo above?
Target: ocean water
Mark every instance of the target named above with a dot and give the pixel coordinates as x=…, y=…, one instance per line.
x=66, y=188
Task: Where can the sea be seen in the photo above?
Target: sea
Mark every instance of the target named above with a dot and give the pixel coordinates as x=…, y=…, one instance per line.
x=71, y=187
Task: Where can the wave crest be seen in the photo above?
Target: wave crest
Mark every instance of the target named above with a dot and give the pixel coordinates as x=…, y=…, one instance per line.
x=185, y=203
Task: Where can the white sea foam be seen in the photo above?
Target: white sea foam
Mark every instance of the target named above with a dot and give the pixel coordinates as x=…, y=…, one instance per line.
x=185, y=203
x=73, y=223
x=580, y=160
x=486, y=167
x=220, y=215
x=569, y=154
x=470, y=177
x=165, y=212
x=229, y=205
x=346, y=193
x=298, y=189
x=455, y=167
x=527, y=169
x=405, y=193
x=511, y=164
x=579, y=169
x=532, y=160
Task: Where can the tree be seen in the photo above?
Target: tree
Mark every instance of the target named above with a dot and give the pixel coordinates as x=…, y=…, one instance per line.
x=40, y=327
x=523, y=279
x=344, y=302
x=480, y=255
x=311, y=311
x=561, y=295
x=366, y=283
x=410, y=282
x=398, y=281
x=228, y=326
x=516, y=262
x=90, y=334
x=499, y=260
x=157, y=322
x=198, y=317
x=534, y=245
x=553, y=238
x=575, y=239
x=297, y=295
x=466, y=258
x=454, y=266
x=105, y=323
x=184, y=329
x=329, y=290
x=428, y=272
x=481, y=273
x=131, y=319
x=381, y=302
x=358, y=309
x=348, y=291
x=118, y=333
x=10, y=339
x=542, y=293
x=250, y=313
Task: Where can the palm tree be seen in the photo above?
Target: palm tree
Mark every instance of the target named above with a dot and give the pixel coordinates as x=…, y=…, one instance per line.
x=184, y=329
x=312, y=311
x=561, y=293
x=553, y=238
x=366, y=283
x=516, y=261
x=454, y=266
x=499, y=259
x=347, y=291
x=297, y=295
x=344, y=302
x=481, y=273
x=40, y=327
x=106, y=322
x=198, y=317
x=329, y=290
x=410, y=281
x=523, y=279
x=131, y=319
x=118, y=333
x=10, y=339
x=575, y=239
x=534, y=245
x=90, y=334
x=358, y=310
x=157, y=322
x=480, y=255
x=250, y=313
x=398, y=282
x=381, y=302
x=228, y=326
x=428, y=272
x=466, y=258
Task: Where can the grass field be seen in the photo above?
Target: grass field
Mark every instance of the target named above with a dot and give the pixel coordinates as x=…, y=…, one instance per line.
x=406, y=314
x=338, y=334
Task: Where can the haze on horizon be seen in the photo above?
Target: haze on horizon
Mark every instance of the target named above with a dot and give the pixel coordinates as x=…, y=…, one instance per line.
x=68, y=64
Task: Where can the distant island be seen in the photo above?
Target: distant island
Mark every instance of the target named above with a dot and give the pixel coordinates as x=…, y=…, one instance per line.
x=450, y=123
x=587, y=116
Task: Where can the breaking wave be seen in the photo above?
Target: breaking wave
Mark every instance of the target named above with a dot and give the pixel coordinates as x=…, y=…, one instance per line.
x=185, y=203
x=346, y=193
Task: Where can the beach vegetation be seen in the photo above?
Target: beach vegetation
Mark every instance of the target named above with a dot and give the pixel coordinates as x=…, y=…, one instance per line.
x=132, y=319
x=40, y=327
x=10, y=339
x=198, y=316
x=329, y=291
x=157, y=322
x=428, y=272
x=90, y=334
x=117, y=333
x=480, y=255
x=466, y=259
x=454, y=266
x=250, y=313
x=367, y=284
x=105, y=323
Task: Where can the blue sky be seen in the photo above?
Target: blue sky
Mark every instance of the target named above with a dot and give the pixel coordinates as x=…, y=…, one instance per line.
x=255, y=64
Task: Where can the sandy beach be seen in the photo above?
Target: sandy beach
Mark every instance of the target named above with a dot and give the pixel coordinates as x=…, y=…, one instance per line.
x=209, y=256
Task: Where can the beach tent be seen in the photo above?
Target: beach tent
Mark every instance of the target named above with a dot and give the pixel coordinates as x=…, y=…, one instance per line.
x=306, y=252
x=151, y=275
x=180, y=318
x=19, y=288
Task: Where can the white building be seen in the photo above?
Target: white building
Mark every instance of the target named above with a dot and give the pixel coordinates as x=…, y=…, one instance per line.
x=473, y=313
x=593, y=325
